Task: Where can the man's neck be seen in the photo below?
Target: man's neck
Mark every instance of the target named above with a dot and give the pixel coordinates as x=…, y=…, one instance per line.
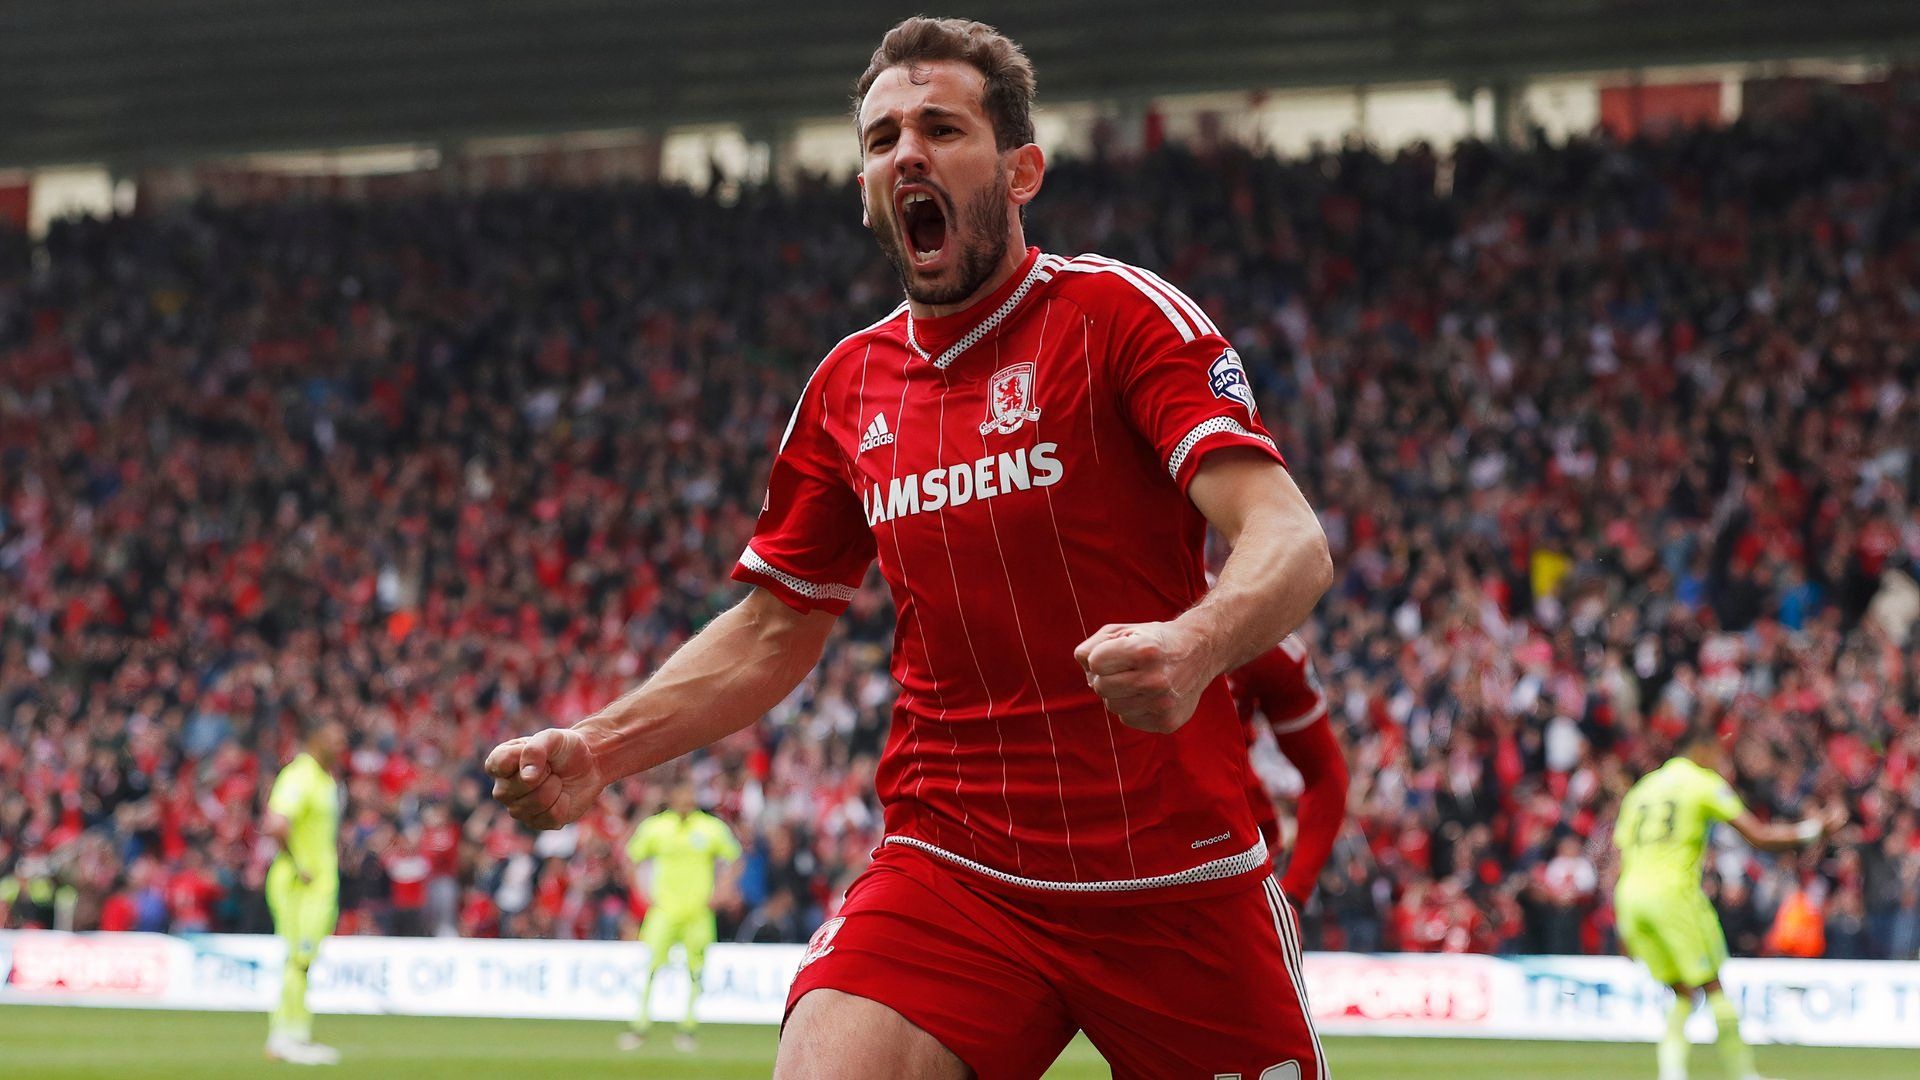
x=1009, y=263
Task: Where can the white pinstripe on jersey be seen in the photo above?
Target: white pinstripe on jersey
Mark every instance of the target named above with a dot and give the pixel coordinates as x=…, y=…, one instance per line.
x=1020, y=631
x=818, y=368
x=926, y=650
x=960, y=612
x=1073, y=591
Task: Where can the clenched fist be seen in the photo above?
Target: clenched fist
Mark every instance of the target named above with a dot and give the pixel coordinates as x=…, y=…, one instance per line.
x=547, y=779
x=1150, y=674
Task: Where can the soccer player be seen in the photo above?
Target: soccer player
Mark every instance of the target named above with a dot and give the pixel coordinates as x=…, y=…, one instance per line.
x=1665, y=920
x=1033, y=447
x=687, y=848
x=1280, y=686
x=303, y=884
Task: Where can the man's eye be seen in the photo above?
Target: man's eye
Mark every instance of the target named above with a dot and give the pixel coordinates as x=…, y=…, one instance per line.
x=946, y=129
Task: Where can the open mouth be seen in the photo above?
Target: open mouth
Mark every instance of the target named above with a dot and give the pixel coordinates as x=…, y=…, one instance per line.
x=923, y=221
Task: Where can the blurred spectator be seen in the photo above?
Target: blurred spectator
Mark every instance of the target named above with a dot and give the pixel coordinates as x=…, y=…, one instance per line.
x=407, y=873
x=1605, y=437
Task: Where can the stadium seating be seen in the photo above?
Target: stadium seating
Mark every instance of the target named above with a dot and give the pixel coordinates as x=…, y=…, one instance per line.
x=1604, y=437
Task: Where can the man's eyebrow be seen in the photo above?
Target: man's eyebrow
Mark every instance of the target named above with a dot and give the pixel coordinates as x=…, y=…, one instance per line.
x=925, y=112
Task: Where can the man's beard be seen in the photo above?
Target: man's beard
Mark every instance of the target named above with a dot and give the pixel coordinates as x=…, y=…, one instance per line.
x=982, y=246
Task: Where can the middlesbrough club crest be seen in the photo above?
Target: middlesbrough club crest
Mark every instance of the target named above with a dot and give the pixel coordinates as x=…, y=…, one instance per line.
x=822, y=941
x=1010, y=400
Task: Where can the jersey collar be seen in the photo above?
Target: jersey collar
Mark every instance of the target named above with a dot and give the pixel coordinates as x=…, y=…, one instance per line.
x=941, y=341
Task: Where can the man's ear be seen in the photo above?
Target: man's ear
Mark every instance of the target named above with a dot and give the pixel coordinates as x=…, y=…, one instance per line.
x=1026, y=172
x=860, y=181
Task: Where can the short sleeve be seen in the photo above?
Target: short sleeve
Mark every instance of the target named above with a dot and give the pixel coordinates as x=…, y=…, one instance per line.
x=289, y=796
x=1287, y=689
x=640, y=846
x=1181, y=384
x=727, y=846
x=811, y=545
x=1722, y=803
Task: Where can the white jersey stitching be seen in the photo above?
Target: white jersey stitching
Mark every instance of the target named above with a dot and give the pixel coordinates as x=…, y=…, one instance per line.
x=1231, y=866
x=972, y=337
x=752, y=561
x=1219, y=425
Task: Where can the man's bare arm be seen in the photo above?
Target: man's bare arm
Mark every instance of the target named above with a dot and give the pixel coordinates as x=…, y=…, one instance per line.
x=727, y=677
x=278, y=828
x=1152, y=674
x=1278, y=566
x=1785, y=836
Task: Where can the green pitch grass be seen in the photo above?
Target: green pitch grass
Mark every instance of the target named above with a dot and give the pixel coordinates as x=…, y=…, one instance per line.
x=40, y=1043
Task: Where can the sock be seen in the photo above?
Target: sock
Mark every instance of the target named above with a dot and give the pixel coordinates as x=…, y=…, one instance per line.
x=693, y=998
x=1673, y=1045
x=1734, y=1052
x=291, y=1019
x=644, y=1021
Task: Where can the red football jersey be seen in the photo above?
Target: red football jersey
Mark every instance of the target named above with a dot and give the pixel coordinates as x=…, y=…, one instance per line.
x=1280, y=686
x=1020, y=471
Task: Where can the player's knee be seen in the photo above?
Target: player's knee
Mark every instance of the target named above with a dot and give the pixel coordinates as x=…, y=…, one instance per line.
x=832, y=1034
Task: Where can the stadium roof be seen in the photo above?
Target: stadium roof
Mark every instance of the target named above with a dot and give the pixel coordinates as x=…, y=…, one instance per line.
x=133, y=82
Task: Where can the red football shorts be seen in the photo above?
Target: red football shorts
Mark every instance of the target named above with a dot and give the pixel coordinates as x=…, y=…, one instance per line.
x=1206, y=987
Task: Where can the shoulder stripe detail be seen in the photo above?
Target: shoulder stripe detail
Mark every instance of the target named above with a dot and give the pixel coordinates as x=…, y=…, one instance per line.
x=811, y=590
x=871, y=327
x=1303, y=721
x=832, y=353
x=1125, y=273
x=1187, y=304
x=1219, y=425
x=1253, y=858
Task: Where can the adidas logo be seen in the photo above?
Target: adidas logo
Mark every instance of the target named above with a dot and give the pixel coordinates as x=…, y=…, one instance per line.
x=877, y=434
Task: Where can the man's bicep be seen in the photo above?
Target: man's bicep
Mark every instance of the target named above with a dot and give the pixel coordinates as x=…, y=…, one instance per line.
x=1749, y=827
x=1236, y=484
x=1722, y=803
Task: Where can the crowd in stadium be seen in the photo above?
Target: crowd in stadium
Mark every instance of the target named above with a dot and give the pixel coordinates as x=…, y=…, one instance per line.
x=1605, y=437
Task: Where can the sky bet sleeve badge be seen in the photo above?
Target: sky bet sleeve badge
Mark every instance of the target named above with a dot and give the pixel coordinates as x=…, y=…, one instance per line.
x=1229, y=380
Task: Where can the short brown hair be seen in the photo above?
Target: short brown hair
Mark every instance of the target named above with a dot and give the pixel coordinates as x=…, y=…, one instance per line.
x=1008, y=100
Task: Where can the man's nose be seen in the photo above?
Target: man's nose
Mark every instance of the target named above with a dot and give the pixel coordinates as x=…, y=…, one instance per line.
x=910, y=155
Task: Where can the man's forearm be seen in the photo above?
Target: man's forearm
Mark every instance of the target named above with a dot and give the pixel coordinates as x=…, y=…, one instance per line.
x=742, y=664
x=1276, y=573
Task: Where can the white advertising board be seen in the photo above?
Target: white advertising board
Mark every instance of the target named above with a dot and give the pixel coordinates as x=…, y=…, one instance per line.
x=1814, y=1002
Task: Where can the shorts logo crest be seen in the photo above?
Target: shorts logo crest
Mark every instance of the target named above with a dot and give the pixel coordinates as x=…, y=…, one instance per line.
x=1010, y=400
x=1228, y=379
x=822, y=941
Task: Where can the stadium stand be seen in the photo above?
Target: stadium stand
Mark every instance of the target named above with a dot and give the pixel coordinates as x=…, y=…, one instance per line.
x=1605, y=436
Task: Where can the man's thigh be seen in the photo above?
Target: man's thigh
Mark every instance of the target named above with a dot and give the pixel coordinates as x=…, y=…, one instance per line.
x=1641, y=936
x=954, y=964
x=697, y=931
x=317, y=911
x=659, y=931
x=1205, y=987
x=1697, y=943
x=831, y=1034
